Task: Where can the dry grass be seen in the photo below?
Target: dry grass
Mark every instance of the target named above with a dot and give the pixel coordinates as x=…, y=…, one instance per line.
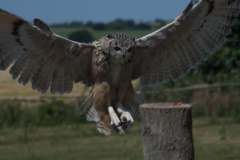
x=10, y=87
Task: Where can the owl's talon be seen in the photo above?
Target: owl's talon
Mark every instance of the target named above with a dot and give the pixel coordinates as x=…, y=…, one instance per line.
x=130, y=126
x=118, y=129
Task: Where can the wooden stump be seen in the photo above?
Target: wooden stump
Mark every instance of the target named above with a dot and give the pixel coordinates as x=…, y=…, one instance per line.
x=167, y=132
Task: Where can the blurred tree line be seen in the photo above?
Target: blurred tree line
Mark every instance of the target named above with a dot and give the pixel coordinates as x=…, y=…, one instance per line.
x=118, y=24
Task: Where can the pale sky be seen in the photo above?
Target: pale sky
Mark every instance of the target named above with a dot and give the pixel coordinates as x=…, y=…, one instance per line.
x=55, y=11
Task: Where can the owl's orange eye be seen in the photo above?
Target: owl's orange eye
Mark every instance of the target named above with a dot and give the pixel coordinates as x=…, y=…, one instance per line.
x=117, y=48
x=129, y=49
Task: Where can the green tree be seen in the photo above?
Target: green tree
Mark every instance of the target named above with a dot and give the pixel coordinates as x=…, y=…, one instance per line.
x=81, y=36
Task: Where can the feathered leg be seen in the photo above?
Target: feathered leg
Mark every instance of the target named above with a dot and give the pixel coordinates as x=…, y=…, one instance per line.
x=124, y=98
x=101, y=101
x=106, y=112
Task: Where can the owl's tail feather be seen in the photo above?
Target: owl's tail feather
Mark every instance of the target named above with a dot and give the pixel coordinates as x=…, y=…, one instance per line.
x=136, y=102
x=92, y=115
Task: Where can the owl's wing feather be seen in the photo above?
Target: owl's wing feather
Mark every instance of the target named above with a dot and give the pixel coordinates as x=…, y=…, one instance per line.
x=172, y=51
x=39, y=55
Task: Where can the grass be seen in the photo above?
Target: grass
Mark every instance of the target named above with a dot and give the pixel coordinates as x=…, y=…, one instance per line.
x=10, y=87
x=82, y=141
x=211, y=142
x=68, y=142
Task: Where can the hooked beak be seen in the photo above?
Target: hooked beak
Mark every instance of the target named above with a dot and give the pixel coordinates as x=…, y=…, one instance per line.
x=124, y=54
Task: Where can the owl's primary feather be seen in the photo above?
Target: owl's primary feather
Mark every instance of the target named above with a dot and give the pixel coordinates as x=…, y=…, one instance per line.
x=108, y=65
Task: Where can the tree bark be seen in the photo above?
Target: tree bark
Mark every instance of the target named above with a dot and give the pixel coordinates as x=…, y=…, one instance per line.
x=167, y=132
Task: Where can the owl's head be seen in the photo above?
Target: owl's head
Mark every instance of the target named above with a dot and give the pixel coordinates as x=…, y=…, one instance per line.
x=118, y=47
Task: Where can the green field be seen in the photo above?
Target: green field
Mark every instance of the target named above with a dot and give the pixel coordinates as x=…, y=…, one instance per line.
x=65, y=32
x=73, y=142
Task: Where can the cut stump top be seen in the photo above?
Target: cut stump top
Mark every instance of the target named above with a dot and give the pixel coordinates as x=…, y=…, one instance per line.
x=164, y=106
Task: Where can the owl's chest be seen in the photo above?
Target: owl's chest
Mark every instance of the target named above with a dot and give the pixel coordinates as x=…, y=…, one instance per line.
x=115, y=74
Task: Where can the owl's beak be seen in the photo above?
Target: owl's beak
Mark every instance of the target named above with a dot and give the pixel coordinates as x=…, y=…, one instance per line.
x=121, y=54
x=124, y=54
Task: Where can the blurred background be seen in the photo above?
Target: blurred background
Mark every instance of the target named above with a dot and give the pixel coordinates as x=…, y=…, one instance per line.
x=35, y=126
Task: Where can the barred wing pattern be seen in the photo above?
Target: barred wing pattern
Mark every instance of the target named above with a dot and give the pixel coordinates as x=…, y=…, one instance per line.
x=48, y=60
x=171, y=52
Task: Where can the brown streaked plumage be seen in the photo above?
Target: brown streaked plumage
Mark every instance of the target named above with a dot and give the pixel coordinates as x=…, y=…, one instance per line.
x=110, y=64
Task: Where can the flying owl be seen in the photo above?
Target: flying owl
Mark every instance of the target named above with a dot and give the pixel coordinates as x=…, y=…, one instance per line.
x=110, y=64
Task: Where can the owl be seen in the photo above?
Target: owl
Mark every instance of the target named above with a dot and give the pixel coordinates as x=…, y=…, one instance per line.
x=109, y=65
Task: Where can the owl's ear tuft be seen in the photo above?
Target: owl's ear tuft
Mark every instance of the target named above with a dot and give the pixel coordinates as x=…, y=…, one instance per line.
x=43, y=26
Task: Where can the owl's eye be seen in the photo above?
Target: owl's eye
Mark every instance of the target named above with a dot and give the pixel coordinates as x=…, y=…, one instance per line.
x=130, y=49
x=117, y=48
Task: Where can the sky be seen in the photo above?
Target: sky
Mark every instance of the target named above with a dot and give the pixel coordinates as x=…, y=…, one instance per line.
x=58, y=11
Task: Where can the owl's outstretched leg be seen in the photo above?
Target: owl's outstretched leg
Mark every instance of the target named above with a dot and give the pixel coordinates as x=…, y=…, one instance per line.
x=126, y=117
x=115, y=120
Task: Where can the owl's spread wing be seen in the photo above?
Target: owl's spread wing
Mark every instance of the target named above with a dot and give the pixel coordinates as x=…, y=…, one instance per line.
x=172, y=51
x=39, y=55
